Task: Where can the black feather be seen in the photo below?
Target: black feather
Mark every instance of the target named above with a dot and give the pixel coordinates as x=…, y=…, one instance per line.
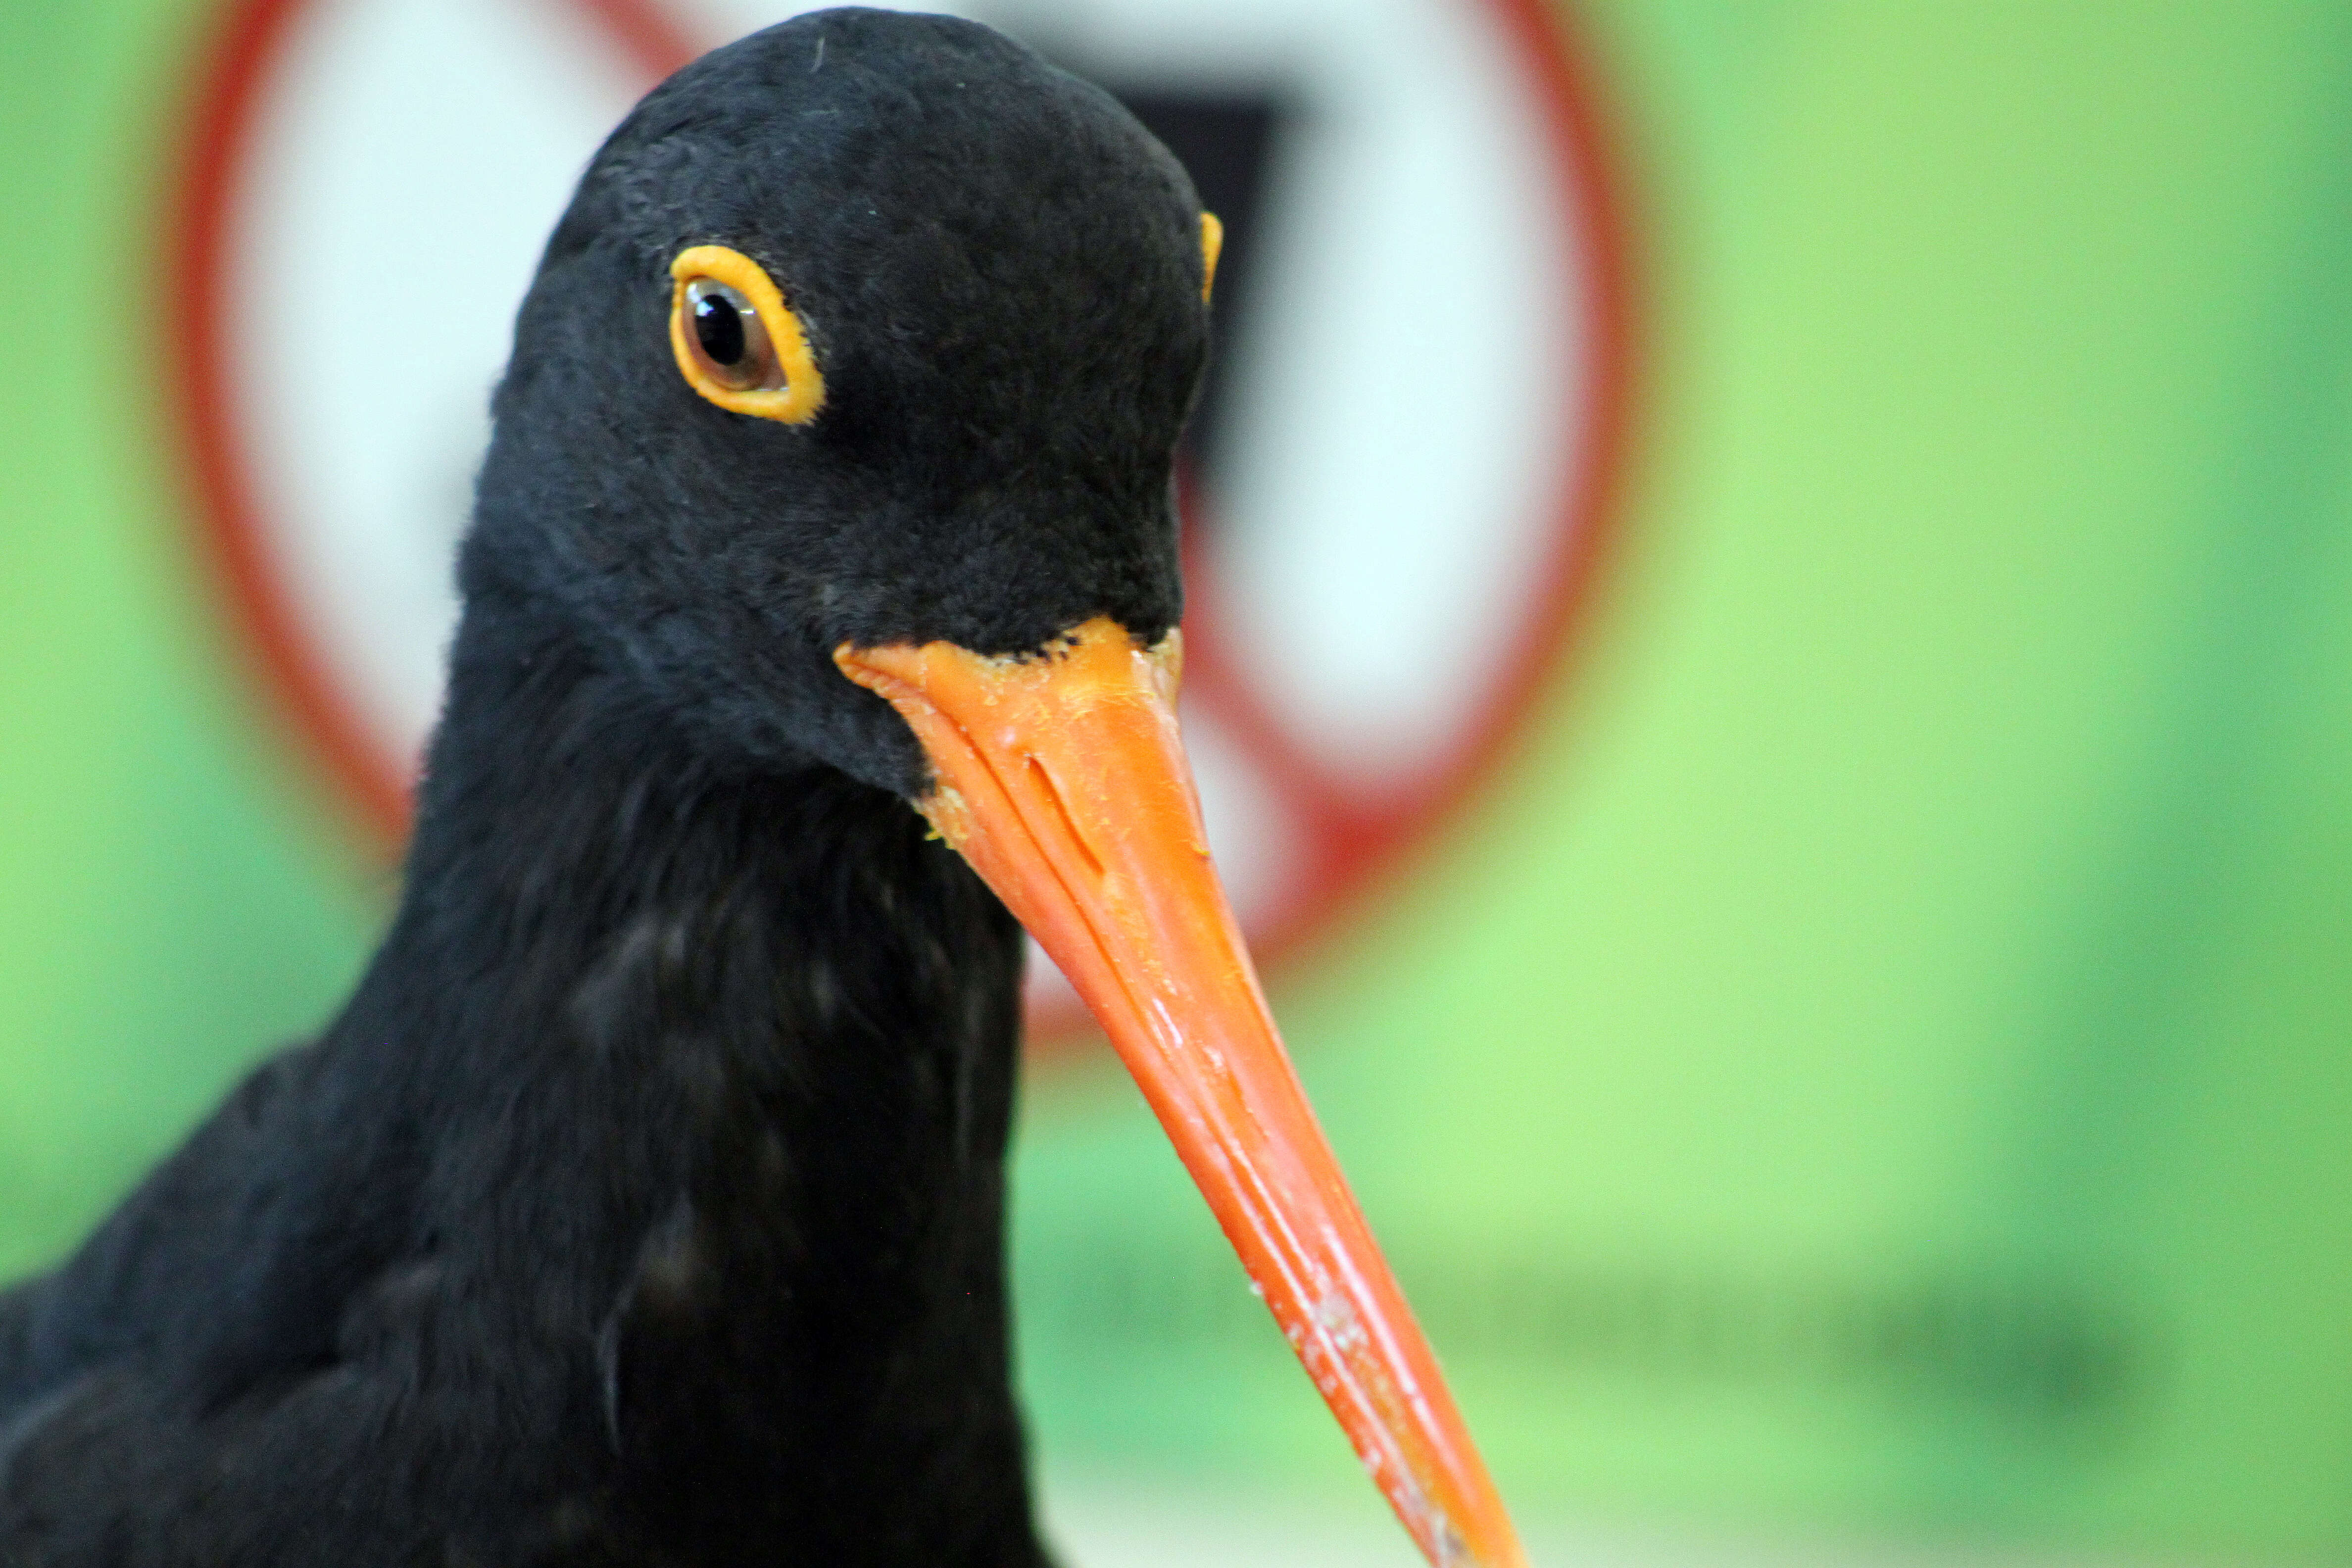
x=645, y=1203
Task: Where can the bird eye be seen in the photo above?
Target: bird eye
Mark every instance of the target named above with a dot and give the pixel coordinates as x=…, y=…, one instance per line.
x=736, y=341
x=728, y=339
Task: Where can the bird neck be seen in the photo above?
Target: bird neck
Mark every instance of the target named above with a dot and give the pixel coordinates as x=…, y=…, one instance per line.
x=730, y=1054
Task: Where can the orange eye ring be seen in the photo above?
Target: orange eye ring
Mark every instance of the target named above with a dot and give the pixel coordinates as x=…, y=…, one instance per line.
x=774, y=376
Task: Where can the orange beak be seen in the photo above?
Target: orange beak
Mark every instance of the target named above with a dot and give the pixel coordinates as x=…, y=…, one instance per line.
x=1061, y=779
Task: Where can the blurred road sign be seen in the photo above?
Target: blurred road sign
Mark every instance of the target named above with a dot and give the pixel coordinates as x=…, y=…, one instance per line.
x=1394, y=491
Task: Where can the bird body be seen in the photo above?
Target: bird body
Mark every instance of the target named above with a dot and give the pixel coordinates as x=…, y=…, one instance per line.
x=645, y=1205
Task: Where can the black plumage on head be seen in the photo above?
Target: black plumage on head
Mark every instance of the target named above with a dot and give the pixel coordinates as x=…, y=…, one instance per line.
x=644, y=1205
x=1000, y=273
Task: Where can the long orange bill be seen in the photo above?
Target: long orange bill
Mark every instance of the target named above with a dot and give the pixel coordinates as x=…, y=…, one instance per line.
x=1061, y=779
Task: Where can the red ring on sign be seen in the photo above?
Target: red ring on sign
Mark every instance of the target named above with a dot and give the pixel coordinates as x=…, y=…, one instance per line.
x=1348, y=842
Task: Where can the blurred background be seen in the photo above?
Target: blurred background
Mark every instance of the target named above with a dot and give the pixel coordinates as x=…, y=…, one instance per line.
x=1817, y=910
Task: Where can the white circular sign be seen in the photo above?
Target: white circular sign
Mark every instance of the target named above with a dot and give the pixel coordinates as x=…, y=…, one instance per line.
x=1392, y=495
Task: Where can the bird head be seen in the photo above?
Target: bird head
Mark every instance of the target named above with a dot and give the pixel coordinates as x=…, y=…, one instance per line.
x=843, y=413
x=870, y=328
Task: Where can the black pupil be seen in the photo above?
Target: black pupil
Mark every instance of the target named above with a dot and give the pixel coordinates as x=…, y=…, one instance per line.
x=718, y=327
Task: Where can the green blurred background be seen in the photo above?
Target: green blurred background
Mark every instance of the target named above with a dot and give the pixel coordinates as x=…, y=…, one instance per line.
x=1877, y=1066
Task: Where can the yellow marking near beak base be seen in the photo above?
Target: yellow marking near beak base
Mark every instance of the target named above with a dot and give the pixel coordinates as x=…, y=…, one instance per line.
x=1212, y=242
